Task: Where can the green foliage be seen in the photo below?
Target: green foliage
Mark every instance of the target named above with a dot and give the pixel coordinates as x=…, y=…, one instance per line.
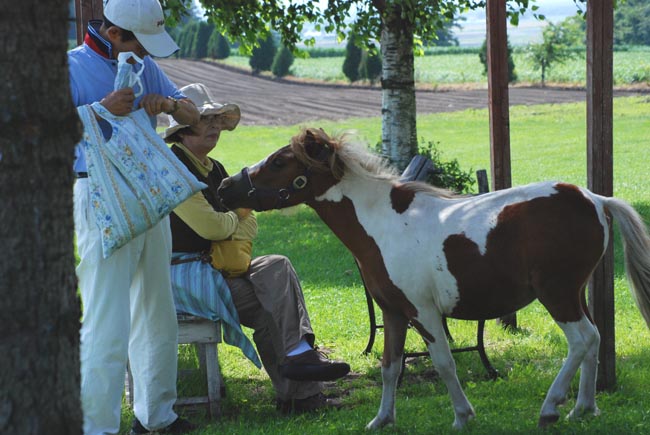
x=263, y=55
x=446, y=174
x=632, y=22
x=370, y=66
x=200, y=45
x=186, y=37
x=445, y=35
x=249, y=21
x=482, y=55
x=352, y=61
x=316, y=52
x=282, y=62
x=218, y=46
x=555, y=46
x=631, y=65
x=438, y=51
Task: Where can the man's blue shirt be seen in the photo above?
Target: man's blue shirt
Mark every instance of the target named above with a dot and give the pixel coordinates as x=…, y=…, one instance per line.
x=92, y=77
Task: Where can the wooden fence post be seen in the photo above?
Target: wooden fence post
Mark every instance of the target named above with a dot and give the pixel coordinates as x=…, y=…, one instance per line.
x=86, y=10
x=498, y=99
x=499, y=106
x=600, y=34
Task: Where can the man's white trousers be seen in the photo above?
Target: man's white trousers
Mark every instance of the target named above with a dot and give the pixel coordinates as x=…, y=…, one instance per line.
x=128, y=310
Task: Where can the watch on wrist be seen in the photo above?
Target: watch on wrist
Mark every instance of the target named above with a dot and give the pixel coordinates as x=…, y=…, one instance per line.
x=175, y=107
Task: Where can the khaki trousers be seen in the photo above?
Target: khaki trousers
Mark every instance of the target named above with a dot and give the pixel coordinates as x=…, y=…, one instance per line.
x=269, y=300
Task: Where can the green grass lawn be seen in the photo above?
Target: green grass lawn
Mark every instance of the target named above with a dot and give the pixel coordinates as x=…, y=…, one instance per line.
x=548, y=142
x=630, y=67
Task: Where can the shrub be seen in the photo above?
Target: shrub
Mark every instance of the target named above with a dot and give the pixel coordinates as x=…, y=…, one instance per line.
x=186, y=39
x=218, y=46
x=315, y=52
x=282, y=62
x=352, y=61
x=447, y=174
x=482, y=55
x=263, y=55
x=200, y=46
x=370, y=66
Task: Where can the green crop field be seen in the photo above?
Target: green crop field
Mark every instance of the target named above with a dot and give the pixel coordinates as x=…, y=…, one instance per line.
x=630, y=67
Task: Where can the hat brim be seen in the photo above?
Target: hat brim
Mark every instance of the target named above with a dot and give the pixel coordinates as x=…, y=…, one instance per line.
x=229, y=112
x=157, y=44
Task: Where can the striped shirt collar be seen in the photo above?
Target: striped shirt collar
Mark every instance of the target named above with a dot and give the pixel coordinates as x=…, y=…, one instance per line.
x=96, y=41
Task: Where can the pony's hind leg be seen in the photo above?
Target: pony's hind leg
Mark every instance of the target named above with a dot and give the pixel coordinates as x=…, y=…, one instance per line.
x=395, y=326
x=583, y=340
x=586, y=403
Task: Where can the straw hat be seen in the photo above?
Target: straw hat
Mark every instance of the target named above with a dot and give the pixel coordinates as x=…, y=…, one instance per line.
x=200, y=96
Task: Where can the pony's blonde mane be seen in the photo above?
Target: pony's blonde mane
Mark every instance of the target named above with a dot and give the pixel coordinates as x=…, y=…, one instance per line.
x=353, y=158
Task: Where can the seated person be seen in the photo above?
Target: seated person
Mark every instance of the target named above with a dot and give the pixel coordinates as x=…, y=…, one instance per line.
x=267, y=297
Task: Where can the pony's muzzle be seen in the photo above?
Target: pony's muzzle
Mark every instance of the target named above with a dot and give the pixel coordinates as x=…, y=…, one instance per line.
x=237, y=192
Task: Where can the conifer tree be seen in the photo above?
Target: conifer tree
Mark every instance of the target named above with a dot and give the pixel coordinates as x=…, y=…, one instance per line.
x=352, y=61
x=263, y=55
x=282, y=62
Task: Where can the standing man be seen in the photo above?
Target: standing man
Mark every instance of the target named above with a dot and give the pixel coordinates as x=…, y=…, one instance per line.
x=127, y=300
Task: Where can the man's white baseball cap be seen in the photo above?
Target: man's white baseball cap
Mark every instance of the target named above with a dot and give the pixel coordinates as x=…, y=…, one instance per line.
x=146, y=20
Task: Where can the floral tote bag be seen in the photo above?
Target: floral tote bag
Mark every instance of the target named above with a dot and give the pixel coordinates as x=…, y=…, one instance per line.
x=134, y=178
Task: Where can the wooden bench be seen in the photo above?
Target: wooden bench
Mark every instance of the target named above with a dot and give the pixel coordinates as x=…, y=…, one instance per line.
x=205, y=335
x=419, y=169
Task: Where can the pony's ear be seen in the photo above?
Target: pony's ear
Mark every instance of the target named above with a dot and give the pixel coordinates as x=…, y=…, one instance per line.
x=316, y=144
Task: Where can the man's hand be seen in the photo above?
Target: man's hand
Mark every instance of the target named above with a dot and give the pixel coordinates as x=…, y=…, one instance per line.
x=242, y=213
x=155, y=104
x=119, y=103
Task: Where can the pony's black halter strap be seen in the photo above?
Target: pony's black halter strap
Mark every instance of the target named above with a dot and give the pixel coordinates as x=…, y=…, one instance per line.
x=278, y=195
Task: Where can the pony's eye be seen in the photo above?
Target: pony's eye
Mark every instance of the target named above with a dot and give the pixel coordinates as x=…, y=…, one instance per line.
x=278, y=163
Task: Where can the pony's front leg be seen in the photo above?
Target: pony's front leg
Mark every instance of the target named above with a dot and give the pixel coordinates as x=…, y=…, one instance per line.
x=430, y=326
x=395, y=326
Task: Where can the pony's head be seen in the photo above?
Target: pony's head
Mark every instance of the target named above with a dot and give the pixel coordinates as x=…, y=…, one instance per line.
x=294, y=174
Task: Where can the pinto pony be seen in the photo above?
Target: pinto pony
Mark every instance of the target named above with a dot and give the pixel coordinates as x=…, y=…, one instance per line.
x=425, y=253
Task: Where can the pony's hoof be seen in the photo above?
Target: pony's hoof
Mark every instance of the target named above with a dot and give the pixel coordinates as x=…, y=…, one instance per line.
x=378, y=423
x=581, y=413
x=461, y=420
x=547, y=420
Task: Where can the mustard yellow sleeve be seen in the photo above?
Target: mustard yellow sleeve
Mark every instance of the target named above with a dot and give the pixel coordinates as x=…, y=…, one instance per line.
x=247, y=228
x=199, y=215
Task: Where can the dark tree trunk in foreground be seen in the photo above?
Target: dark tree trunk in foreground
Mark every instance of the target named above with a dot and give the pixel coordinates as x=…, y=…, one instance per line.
x=39, y=312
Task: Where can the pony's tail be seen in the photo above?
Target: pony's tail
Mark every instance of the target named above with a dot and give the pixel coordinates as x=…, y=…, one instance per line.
x=636, y=242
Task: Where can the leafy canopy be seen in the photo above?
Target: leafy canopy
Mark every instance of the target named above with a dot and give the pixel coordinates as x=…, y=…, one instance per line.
x=247, y=21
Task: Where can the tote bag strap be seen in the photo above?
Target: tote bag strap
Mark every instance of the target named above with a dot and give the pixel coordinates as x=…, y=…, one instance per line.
x=92, y=133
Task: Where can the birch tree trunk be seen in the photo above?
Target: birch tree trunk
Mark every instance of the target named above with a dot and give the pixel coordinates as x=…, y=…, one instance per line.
x=39, y=312
x=399, y=132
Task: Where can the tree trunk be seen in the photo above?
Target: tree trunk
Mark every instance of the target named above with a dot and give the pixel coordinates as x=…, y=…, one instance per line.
x=399, y=133
x=40, y=313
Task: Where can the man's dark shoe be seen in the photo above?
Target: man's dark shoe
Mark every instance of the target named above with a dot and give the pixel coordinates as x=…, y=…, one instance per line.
x=317, y=402
x=313, y=366
x=179, y=426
